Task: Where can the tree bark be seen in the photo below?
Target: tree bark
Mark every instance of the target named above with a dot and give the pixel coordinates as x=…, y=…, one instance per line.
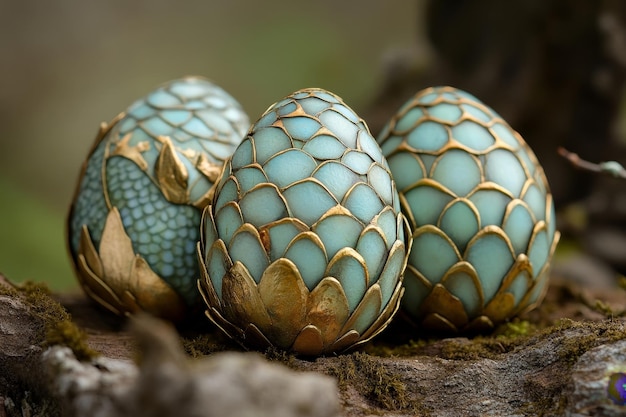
x=575, y=341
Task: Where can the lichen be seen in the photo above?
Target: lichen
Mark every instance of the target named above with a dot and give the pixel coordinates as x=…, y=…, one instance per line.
x=58, y=328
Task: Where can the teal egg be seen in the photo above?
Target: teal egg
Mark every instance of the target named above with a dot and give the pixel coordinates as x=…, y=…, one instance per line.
x=480, y=209
x=303, y=246
x=135, y=216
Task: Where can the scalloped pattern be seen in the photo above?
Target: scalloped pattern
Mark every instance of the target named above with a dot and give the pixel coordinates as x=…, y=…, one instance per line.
x=151, y=163
x=480, y=209
x=320, y=228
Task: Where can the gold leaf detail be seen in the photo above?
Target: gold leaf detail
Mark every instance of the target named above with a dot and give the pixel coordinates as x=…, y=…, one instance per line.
x=264, y=235
x=254, y=337
x=346, y=341
x=385, y=316
x=444, y=304
x=285, y=297
x=298, y=111
x=366, y=311
x=152, y=294
x=121, y=281
x=205, y=285
x=171, y=174
x=500, y=307
x=480, y=324
x=327, y=309
x=129, y=301
x=97, y=289
x=116, y=250
x=226, y=326
x=211, y=170
x=88, y=250
x=241, y=300
x=309, y=342
x=437, y=322
x=134, y=153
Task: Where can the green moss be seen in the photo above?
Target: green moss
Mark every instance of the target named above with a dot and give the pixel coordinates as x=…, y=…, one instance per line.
x=66, y=333
x=374, y=381
x=504, y=338
x=515, y=328
x=492, y=346
x=604, y=309
x=606, y=331
x=58, y=328
x=385, y=349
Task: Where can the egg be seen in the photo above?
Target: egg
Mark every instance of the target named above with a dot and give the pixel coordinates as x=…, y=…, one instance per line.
x=136, y=211
x=481, y=213
x=303, y=245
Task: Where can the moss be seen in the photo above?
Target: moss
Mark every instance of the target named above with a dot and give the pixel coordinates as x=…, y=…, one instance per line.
x=548, y=399
x=282, y=356
x=197, y=344
x=377, y=384
x=571, y=349
x=58, y=328
x=66, y=333
x=604, y=309
x=547, y=404
x=200, y=345
x=515, y=328
x=606, y=331
x=504, y=338
x=385, y=349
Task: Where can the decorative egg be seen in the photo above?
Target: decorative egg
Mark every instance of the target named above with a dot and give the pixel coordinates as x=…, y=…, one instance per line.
x=135, y=216
x=303, y=246
x=480, y=209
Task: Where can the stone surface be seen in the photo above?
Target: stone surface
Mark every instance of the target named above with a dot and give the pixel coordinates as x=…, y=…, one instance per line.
x=590, y=377
x=97, y=388
x=167, y=383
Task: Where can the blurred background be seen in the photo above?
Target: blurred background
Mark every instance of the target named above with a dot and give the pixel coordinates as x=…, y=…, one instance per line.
x=68, y=65
x=555, y=70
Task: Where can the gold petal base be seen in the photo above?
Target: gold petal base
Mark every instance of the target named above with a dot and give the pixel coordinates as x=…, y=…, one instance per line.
x=120, y=280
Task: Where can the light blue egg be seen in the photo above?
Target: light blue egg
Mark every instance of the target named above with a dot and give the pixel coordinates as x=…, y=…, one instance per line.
x=481, y=212
x=153, y=167
x=303, y=247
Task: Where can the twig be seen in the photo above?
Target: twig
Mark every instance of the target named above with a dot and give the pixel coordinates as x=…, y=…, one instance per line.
x=612, y=168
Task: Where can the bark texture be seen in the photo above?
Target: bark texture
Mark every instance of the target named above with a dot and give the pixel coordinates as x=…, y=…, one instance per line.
x=556, y=362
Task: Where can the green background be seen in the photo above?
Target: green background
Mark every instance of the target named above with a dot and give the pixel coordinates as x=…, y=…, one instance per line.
x=67, y=65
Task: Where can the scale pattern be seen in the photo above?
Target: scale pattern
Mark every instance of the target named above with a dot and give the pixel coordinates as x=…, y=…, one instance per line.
x=155, y=164
x=305, y=231
x=481, y=212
